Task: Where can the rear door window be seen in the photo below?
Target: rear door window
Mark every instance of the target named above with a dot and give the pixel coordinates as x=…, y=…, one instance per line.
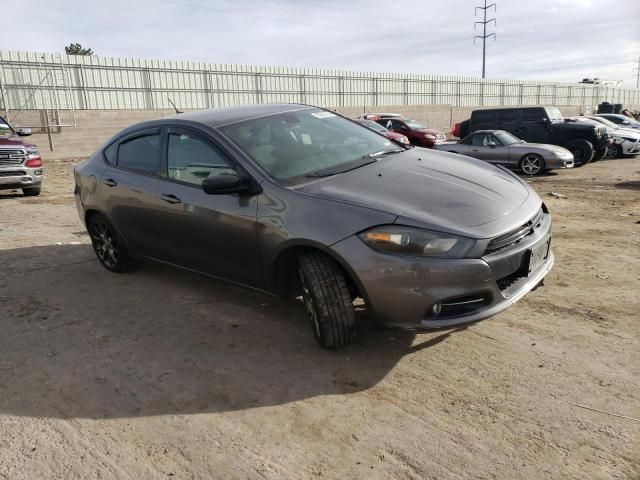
x=484, y=119
x=142, y=154
x=507, y=117
x=533, y=115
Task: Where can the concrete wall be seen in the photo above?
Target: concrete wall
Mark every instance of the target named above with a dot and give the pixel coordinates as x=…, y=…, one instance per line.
x=94, y=127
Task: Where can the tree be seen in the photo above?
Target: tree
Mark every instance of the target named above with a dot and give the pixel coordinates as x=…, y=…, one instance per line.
x=76, y=49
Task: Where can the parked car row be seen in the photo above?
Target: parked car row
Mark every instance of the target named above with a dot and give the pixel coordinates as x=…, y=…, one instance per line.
x=538, y=139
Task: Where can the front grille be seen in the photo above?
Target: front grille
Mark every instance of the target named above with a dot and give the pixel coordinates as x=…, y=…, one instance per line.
x=12, y=156
x=516, y=235
x=440, y=136
x=15, y=173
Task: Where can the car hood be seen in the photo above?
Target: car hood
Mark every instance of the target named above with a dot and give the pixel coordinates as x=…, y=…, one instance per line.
x=14, y=141
x=438, y=190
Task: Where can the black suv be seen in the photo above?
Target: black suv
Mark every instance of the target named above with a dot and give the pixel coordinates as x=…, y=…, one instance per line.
x=541, y=125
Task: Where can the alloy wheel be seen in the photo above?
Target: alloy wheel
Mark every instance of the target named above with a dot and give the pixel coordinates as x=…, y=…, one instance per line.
x=531, y=164
x=104, y=243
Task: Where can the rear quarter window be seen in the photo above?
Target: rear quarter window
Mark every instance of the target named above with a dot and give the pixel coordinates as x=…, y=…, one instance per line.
x=484, y=118
x=507, y=117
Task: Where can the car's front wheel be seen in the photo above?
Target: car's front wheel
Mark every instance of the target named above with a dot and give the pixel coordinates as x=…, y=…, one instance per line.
x=31, y=191
x=107, y=244
x=613, y=151
x=532, y=164
x=327, y=299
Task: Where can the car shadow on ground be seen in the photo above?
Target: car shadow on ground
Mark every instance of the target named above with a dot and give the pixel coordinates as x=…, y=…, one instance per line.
x=78, y=341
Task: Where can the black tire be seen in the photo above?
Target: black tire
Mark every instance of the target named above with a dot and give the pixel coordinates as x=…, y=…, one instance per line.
x=327, y=298
x=31, y=191
x=582, y=151
x=532, y=164
x=613, y=151
x=107, y=245
x=600, y=154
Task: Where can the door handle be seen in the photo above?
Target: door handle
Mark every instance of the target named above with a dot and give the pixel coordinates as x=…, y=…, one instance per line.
x=170, y=198
x=110, y=182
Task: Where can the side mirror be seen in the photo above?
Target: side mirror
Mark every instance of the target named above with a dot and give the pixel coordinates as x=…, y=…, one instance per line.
x=491, y=144
x=625, y=122
x=23, y=132
x=228, y=183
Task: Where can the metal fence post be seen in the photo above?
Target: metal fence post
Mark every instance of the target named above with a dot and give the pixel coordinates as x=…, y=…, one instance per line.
x=521, y=94
x=258, y=87
x=374, y=86
x=207, y=89
x=405, y=91
x=303, y=96
x=150, y=102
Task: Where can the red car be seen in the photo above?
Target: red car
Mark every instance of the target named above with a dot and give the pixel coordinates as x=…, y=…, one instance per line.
x=376, y=127
x=417, y=134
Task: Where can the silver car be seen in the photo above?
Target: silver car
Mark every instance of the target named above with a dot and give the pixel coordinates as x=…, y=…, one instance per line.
x=500, y=147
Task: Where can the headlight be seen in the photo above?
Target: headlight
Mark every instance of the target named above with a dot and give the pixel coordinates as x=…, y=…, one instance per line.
x=429, y=136
x=560, y=153
x=404, y=140
x=416, y=242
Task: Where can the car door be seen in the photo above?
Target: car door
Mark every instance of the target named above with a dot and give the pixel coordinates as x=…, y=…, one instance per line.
x=534, y=126
x=131, y=186
x=480, y=148
x=213, y=234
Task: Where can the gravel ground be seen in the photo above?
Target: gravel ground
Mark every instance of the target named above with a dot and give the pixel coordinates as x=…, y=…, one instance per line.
x=163, y=373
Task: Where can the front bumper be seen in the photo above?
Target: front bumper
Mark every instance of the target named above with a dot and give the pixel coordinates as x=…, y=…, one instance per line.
x=426, y=293
x=19, y=176
x=630, y=148
x=559, y=162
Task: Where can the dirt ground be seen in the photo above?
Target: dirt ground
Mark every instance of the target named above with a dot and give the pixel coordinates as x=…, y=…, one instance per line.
x=162, y=373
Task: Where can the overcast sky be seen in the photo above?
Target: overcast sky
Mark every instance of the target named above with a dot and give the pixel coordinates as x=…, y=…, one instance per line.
x=543, y=39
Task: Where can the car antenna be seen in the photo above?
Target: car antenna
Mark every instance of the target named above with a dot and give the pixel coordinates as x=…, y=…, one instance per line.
x=174, y=106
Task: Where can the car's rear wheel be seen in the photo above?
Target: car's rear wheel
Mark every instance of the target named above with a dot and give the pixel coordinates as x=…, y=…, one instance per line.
x=613, y=151
x=582, y=151
x=532, y=164
x=327, y=299
x=108, y=246
x=31, y=191
x=600, y=154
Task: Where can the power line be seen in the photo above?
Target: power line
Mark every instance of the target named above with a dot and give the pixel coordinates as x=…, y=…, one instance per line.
x=484, y=35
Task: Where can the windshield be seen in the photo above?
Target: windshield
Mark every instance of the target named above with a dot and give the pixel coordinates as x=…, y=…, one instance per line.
x=311, y=142
x=5, y=129
x=506, y=138
x=604, y=121
x=373, y=126
x=555, y=115
x=413, y=125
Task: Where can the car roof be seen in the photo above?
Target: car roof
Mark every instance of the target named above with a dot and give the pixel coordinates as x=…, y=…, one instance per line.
x=218, y=117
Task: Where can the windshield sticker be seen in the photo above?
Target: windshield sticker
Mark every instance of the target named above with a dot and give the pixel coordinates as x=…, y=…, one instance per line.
x=323, y=114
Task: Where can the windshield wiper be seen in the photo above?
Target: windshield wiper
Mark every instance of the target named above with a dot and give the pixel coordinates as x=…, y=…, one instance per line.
x=383, y=152
x=347, y=167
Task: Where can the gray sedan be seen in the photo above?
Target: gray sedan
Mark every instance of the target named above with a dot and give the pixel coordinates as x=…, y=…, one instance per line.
x=296, y=201
x=500, y=147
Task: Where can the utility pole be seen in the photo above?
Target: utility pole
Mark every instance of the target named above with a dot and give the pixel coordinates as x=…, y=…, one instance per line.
x=484, y=35
x=637, y=71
